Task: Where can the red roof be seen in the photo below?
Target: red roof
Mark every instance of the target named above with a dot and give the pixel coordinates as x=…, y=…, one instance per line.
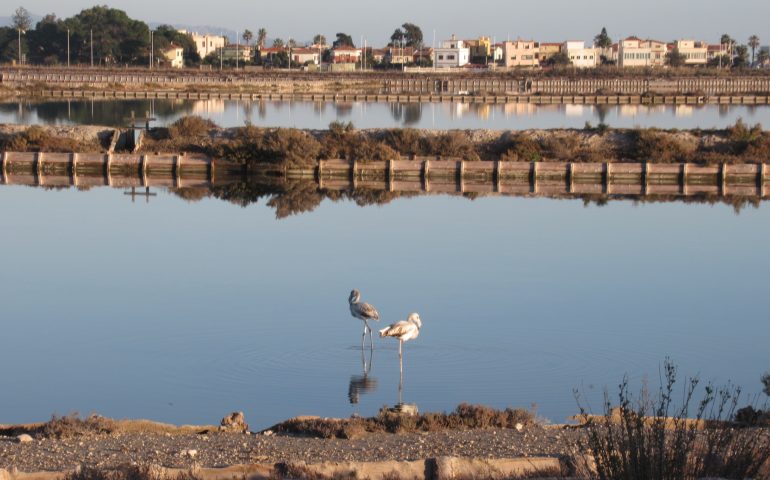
x=345, y=48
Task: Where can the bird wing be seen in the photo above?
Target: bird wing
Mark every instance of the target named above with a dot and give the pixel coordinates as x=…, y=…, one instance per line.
x=368, y=311
x=397, y=329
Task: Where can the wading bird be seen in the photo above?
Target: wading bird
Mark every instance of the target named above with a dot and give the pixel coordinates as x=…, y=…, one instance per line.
x=363, y=311
x=403, y=331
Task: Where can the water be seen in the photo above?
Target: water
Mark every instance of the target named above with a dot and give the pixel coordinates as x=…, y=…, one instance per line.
x=184, y=311
x=318, y=115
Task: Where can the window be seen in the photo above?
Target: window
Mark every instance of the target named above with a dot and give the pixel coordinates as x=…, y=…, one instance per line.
x=450, y=57
x=440, y=57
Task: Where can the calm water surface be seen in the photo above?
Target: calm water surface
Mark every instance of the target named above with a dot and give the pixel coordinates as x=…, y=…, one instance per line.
x=183, y=312
x=308, y=114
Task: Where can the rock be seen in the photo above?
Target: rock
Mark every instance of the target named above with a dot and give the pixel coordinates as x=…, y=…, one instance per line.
x=192, y=453
x=519, y=427
x=234, y=423
x=24, y=438
x=267, y=433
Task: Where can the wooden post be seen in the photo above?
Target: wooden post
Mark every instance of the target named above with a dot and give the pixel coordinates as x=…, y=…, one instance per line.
x=212, y=171
x=762, y=174
x=319, y=174
x=571, y=177
x=178, y=169
x=39, y=167
x=353, y=166
x=723, y=178
x=685, y=168
x=108, y=169
x=607, y=173
x=144, y=170
x=390, y=170
x=426, y=174
x=74, y=168
x=462, y=176
x=534, y=178
x=5, y=168
x=645, y=177
x=498, y=175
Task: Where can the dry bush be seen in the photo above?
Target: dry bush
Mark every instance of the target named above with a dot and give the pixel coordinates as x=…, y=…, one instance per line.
x=451, y=144
x=520, y=147
x=656, y=146
x=36, y=139
x=73, y=426
x=406, y=141
x=562, y=147
x=285, y=146
x=465, y=416
x=190, y=126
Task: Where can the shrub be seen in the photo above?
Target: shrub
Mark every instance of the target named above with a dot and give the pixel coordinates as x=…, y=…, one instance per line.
x=190, y=126
x=642, y=439
x=450, y=144
x=652, y=145
x=73, y=426
x=404, y=140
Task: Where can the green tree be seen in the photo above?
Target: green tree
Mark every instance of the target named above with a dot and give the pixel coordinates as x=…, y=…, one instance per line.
x=675, y=58
x=117, y=39
x=603, y=40
x=247, y=36
x=291, y=43
x=319, y=39
x=343, y=40
x=763, y=56
x=261, y=37
x=8, y=46
x=741, y=58
x=410, y=33
x=48, y=41
x=754, y=44
x=278, y=42
x=560, y=59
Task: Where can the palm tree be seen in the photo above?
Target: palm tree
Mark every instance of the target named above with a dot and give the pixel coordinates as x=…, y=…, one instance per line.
x=261, y=37
x=319, y=39
x=247, y=36
x=753, y=43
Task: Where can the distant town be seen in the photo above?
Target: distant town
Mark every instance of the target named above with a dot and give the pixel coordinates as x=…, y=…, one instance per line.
x=102, y=36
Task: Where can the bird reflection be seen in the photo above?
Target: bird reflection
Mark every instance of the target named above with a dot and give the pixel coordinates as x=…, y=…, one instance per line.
x=362, y=384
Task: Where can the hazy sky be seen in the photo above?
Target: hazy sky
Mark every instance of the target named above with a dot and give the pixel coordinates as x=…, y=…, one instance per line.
x=552, y=20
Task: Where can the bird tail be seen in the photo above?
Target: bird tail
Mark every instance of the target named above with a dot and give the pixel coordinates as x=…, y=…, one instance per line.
x=384, y=332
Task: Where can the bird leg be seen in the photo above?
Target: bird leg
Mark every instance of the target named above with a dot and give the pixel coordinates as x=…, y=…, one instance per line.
x=401, y=357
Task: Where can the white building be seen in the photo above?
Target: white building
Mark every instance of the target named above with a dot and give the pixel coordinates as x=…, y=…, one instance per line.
x=452, y=53
x=635, y=52
x=175, y=55
x=695, y=53
x=579, y=55
x=309, y=56
x=206, y=44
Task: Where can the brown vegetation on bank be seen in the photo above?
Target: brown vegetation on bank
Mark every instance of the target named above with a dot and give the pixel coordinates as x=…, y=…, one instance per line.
x=464, y=417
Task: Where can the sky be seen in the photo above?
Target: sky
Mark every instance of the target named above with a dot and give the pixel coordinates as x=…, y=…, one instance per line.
x=555, y=20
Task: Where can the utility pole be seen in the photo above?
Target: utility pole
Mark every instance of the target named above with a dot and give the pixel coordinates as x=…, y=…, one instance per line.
x=92, y=48
x=237, y=47
x=19, y=46
x=152, y=46
x=68, y=48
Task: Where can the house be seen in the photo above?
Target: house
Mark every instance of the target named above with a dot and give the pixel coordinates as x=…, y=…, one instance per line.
x=399, y=55
x=378, y=54
x=422, y=55
x=579, y=55
x=694, y=53
x=521, y=53
x=497, y=52
x=635, y=52
x=345, y=54
x=235, y=52
x=547, y=50
x=453, y=53
x=713, y=52
x=481, y=48
x=175, y=55
x=206, y=44
x=305, y=56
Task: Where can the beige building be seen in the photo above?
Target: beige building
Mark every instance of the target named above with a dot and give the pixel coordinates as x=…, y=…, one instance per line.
x=175, y=55
x=400, y=55
x=206, y=44
x=345, y=54
x=695, y=53
x=548, y=50
x=521, y=53
x=579, y=55
x=635, y=52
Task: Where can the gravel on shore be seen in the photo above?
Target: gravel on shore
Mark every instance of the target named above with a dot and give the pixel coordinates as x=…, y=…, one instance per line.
x=216, y=450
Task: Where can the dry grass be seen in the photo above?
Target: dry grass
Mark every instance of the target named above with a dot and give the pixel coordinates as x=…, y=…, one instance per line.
x=464, y=417
x=128, y=472
x=191, y=126
x=38, y=139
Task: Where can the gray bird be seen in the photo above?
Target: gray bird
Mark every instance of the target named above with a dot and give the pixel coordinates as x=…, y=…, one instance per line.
x=363, y=311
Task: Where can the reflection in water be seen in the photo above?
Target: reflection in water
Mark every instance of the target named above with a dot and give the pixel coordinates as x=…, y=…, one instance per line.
x=444, y=115
x=362, y=384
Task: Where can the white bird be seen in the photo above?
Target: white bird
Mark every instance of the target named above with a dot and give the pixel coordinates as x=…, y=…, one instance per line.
x=363, y=311
x=403, y=331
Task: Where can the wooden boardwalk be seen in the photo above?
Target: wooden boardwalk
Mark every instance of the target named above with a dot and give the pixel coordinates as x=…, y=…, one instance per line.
x=609, y=178
x=117, y=170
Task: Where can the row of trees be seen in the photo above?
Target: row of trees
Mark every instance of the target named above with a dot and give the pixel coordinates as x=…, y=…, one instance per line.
x=98, y=35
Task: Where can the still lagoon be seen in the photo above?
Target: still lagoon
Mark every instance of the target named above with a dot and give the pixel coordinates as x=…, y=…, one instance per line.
x=183, y=311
